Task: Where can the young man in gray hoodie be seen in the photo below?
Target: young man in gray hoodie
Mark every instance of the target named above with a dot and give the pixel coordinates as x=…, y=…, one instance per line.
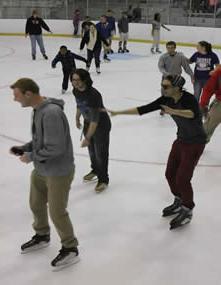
x=51, y=152
x=172, y=62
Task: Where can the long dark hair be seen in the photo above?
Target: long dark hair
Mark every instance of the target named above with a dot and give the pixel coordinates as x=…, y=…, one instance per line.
x=206, y=45
x=84, y=76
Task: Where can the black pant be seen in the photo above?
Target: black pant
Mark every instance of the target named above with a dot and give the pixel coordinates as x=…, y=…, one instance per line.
x=96, y=54
x=66, y=76
x=99, y=153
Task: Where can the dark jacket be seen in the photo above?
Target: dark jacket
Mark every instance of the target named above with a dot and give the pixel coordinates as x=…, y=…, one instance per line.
x=104, y=30
x=123, y=25
x=68, y=60
x=34, y=26
x=86, y=40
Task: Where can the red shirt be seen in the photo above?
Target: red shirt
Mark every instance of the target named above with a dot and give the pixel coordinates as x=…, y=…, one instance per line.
x=213, y=86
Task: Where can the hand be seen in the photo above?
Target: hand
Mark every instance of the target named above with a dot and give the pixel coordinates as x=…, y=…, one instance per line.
x=78, y=124
x=16, y=150
x=167, y=109
x=24, y=158
x=112, y=113
x=85, y=142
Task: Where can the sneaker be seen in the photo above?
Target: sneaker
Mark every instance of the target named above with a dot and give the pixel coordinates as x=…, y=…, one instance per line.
x=90, y=176
x=120, y=50
x=184, y=217
x=100, y=187
x=37, y=242
x=66, y=256
x=173, y=208
x=33, y=57
x=45, y=56
x=152, y=50
x=98, y=70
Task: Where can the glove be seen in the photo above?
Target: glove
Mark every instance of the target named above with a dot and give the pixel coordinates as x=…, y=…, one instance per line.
x=17, y=151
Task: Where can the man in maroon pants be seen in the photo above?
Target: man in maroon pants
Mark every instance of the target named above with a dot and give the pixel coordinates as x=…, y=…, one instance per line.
x=186, y=149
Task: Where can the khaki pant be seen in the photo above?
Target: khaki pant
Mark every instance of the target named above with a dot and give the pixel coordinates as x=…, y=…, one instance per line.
x=51, y=193
x=213, y=119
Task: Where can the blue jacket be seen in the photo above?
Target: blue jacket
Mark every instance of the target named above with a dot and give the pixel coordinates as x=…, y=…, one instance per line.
x=104, y=30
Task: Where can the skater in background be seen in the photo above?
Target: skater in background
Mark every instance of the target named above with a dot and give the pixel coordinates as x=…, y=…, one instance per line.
x=186, y=149
x=76, y=21
x=111, y=21
x=156, y=25
x=33, y=29
x=97, y=126
x=93, y=40
x=104, y=29
x=67, y=60
x=213, y=112
x=51, y=152
x=123, y=27
x=205, y=60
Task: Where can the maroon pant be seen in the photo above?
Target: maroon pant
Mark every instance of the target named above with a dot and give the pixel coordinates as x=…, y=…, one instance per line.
x=180, y=166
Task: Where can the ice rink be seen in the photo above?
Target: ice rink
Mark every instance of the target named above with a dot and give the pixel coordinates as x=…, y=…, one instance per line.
x=123, y=238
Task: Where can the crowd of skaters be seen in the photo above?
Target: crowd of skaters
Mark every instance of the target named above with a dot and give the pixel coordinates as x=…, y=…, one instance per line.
x=51, y=149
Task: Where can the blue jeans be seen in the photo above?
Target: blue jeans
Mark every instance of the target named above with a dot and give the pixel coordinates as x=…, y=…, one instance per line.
x=198, y=87
x=39, y=40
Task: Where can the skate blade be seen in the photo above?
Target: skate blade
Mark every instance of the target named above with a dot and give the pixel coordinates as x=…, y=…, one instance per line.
x=186, y=221
x=35, y=248
x=66, y=265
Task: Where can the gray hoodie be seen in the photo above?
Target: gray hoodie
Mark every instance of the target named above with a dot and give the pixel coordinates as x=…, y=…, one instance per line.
x=51, y=147
x=172, y=65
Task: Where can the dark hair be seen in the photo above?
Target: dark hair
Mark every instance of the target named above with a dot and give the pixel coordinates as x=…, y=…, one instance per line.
x=171, y=43
x=206, y=45
x=26, y=84
x=63, y=47
x=84, y=76
x=156, y=16
x=176, y=80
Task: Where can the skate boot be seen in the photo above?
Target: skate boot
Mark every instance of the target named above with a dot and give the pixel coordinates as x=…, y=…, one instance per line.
x=106, y=59
x=158, y=51
x=33, y=57
x=184, y=217
x=100, y=187
x=45, y=56
x=173, y=208
x=37, y=242
x=120, y=50
x=66, y=257
x=91, y=176
x=126, y=50
x=152, y=51
x=98, y=70
x=111, y=51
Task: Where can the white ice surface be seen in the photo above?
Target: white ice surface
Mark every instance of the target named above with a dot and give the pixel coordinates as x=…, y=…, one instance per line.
x=123, y=238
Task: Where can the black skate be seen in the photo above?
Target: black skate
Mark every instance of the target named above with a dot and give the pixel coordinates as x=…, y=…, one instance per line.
x=184, y=217
x=126, y=50
x=120, y=50
x=158, y=51
x=37, y=242
x=152, y=51
x=65, y=258
x=111, y=51
x=106, y=59
x=98, y=70
x=173, y=208
x=33, y=57
x=45, y=56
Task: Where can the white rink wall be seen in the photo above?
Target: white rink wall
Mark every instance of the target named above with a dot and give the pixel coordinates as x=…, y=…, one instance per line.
x=182, y=34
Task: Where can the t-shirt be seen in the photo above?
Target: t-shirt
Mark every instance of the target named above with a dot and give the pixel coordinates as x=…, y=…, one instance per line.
x=90, y=104
x=204, y=64
x=189, y=130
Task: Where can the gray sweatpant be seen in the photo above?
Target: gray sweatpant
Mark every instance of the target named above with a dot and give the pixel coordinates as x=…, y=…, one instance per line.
x=39, y=40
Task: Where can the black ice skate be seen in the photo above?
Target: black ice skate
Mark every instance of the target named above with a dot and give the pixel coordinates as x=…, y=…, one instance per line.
x=152, y=51
x=37, y=242
x=98, y=70
x=158, y=51
x=106, y=59
x=184, y=217
x=126, y=50
x=65, y=258
x=173, y=208
x=33, y=57
x=120, y=50
x=91, y=176
x=45, y=56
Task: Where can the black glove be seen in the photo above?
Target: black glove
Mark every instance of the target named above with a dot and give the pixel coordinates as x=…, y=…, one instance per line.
x=17, y=151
